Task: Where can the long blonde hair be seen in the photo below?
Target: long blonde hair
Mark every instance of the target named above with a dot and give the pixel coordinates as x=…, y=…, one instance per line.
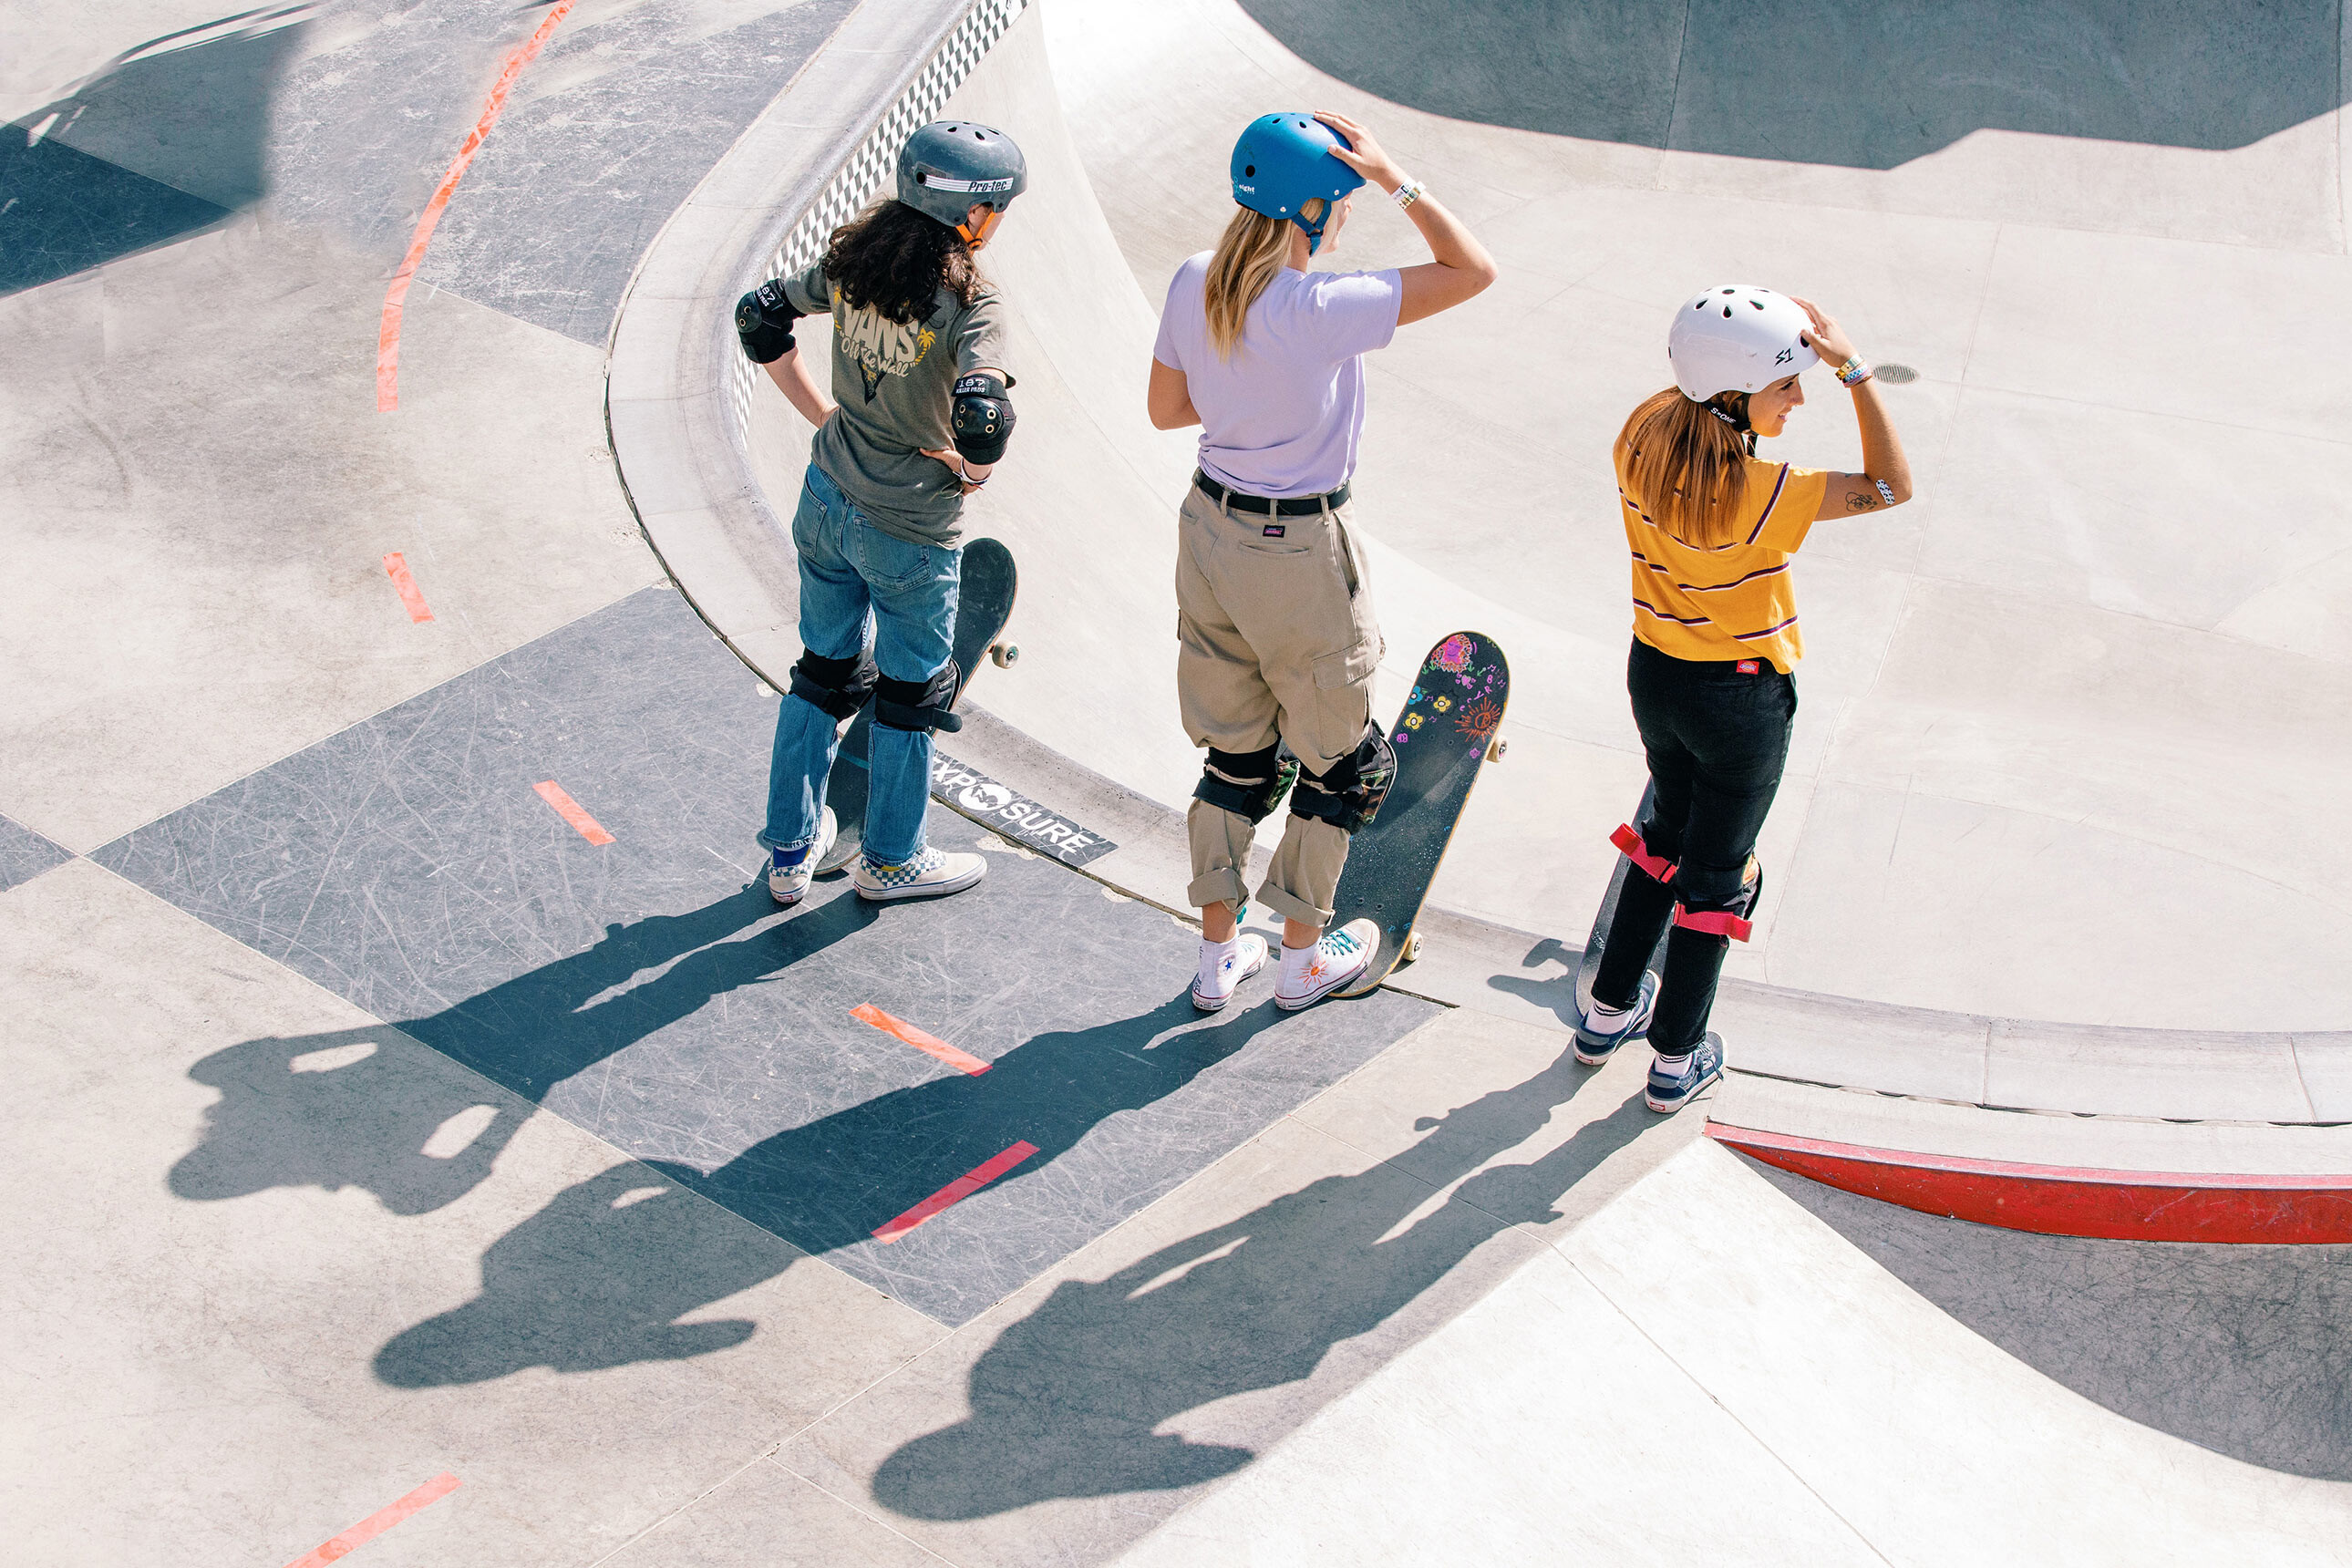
x=1685, y=469
x=1253, y=250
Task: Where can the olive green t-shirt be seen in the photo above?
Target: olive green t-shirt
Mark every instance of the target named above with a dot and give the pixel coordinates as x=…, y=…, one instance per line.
x=894, y=384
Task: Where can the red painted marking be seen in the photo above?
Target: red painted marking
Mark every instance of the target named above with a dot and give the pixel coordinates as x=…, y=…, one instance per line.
x=569, y=809
x=955, y=1192
x=2063, y=1200
x=387, y=337
x=376, y=1524
x=397, y=567
x=866, y=1013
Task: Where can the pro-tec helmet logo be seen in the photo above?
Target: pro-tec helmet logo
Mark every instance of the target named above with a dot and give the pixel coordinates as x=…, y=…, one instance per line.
x=978, y=187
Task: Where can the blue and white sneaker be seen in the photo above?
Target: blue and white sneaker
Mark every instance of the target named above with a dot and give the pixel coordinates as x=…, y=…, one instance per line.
x=1311, y=973
x=789, y=870
x=932, y=873
x=1675, y=1082
x=1594, y=1047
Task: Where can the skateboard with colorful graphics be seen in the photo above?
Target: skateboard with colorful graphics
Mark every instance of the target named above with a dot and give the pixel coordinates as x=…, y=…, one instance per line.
x=1447, y=730
x=984, y=603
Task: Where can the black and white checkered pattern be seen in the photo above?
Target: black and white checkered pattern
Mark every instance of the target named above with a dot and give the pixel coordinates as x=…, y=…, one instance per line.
x=874, y=164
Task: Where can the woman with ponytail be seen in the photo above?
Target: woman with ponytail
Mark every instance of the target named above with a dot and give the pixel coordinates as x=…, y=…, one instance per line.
x=1715, y=640
x=1276, y=637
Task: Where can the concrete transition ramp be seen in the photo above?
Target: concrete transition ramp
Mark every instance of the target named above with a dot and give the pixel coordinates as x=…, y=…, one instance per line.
x=2067, y=717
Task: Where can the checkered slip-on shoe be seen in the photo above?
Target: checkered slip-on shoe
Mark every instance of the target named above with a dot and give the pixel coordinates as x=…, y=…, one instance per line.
x=933, y=873
x=790, y=884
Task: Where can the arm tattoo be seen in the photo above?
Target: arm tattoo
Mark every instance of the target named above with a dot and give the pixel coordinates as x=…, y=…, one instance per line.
x=1860, y=500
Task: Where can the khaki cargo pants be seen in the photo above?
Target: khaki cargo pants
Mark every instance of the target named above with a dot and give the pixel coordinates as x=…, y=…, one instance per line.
x=1275, y=640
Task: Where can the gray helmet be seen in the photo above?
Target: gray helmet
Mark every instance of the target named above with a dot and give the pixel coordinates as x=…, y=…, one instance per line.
x=951, y=165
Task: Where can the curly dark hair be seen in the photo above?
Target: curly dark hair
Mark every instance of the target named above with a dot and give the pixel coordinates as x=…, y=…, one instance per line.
x=897, y=259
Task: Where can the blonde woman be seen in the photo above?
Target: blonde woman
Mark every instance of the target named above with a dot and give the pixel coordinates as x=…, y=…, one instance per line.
x=1277, y=636
x=1715, y=643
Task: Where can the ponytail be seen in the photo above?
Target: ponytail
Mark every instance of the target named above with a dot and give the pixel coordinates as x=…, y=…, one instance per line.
x=1686, y=464
x=1253, y=250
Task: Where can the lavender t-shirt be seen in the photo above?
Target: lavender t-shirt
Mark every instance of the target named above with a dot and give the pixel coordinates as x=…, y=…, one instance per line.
x=1282, y=417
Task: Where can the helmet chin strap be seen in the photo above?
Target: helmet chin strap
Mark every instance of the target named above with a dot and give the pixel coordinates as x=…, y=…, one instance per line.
x=1737, y=421
x=979, y=238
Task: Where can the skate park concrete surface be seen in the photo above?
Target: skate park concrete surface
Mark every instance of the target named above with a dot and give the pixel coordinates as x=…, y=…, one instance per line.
x=435, y=1146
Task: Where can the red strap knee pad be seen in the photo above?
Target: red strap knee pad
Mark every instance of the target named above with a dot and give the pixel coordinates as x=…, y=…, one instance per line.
x=1629, y=843
x=1715, y=922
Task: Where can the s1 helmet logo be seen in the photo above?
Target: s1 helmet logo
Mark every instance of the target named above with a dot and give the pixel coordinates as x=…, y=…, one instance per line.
x=1784, y=356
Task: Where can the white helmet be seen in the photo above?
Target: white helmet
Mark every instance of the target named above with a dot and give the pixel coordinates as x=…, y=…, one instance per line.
x=1738, y=337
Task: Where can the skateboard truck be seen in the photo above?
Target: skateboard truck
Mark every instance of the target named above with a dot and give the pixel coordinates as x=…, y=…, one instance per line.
x=1003, y=655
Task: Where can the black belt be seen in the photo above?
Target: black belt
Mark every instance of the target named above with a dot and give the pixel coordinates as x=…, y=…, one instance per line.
x=1296, y=506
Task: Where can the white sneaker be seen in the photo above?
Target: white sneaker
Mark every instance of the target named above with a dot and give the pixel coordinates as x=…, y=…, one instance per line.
x=1311, y=973
x=932, y=873
x=1224, y=966
x=790, y=884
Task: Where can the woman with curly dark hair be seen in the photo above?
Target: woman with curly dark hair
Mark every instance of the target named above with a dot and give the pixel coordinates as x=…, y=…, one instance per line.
x=919, y=360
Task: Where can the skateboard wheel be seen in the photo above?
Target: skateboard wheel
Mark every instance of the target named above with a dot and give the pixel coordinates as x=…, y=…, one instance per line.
x=1412, y=949
x=1004, y=654
x=1495, y=747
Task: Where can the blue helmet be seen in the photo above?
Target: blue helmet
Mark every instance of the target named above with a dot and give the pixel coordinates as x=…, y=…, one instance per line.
x=1283, y=162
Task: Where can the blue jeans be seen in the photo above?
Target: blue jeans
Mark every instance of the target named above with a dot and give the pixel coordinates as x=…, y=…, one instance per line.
x=851, y=573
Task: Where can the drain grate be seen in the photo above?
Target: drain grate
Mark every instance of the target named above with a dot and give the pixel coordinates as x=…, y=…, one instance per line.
x=1900, y=375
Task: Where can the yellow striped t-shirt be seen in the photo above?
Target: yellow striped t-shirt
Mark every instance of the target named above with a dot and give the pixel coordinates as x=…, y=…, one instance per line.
x=1734, y=601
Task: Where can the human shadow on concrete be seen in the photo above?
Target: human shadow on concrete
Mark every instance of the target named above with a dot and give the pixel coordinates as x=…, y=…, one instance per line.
x=166, y=140
x=2241, y=1350
x=321, y=1111
x=1557, y=991
x=1865, y=84
x=1070, y=1399
x=594, y=1281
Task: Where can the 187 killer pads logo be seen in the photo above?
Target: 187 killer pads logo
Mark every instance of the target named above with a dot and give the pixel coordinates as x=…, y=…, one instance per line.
x=1014, y=816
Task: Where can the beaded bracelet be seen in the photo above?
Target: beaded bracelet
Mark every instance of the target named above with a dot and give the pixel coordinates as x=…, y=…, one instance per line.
x=1405, y=195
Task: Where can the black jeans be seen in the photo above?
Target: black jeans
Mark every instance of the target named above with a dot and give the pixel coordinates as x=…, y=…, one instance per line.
x=1718, y=740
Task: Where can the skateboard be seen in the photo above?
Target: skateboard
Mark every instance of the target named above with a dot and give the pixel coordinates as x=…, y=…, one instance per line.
x=984, y=603
x=1446, y=730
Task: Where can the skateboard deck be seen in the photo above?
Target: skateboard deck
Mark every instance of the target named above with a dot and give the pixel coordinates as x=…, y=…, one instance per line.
x=984, y=603
x=1446, y=730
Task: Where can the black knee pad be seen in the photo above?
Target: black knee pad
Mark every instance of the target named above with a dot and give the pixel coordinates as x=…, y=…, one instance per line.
x=839, y=687
x=919, y=705
x=1247, y=784
x=1348, y=796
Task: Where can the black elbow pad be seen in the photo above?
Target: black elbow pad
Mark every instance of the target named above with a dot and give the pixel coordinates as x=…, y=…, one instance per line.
x=982, y=417
x=764, y=320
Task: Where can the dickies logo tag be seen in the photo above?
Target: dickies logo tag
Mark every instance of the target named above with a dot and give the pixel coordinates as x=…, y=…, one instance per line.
x=1271, y=530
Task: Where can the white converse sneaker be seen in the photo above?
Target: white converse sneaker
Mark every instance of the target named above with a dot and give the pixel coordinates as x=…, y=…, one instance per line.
x=1224, y=966
x=790, y=883
x=1311, y=973
x=932, y=873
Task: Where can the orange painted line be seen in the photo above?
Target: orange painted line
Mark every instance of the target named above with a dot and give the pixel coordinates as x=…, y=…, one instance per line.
x=397, y=567
x=569, y=810
x=376, y=1524
x=866, y=1013
x=955, y=1192
x=395, y=298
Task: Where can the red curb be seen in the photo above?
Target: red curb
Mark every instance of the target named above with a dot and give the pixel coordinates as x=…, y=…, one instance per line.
x=2062, y=1200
